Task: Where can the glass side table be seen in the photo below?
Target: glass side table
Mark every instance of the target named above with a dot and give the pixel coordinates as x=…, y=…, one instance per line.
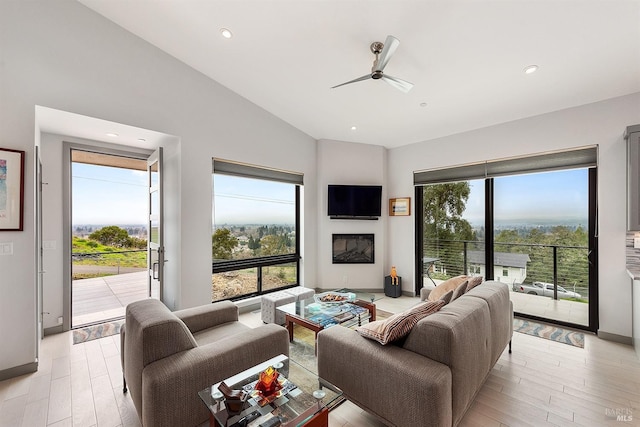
x=304, y=399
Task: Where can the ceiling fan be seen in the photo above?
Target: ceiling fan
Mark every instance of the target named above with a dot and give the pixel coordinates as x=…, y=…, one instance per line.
x=383, y=53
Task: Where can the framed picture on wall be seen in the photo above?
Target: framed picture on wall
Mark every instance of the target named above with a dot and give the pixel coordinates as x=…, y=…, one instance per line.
x=400, y=206
x=11, y=189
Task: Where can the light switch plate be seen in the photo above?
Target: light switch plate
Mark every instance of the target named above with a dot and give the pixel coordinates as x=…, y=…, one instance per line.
x=6, y=248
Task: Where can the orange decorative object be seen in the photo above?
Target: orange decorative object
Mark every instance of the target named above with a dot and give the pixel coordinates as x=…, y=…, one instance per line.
x=394, y=275
x=268, y=383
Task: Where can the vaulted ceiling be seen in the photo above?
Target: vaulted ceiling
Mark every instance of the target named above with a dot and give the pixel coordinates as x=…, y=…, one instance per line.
x=466, y=59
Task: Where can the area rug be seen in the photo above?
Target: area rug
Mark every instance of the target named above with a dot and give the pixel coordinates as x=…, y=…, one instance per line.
x=549, y=332
x=94, y=332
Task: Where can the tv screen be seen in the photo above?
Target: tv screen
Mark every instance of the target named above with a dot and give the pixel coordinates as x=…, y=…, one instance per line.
x=354, y=201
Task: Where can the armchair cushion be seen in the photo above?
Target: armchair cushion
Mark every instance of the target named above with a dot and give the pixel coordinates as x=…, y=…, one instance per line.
x=206, y=316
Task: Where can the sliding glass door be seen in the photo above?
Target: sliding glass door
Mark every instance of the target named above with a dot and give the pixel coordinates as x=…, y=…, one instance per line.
x=541, y=243
x=527, y=222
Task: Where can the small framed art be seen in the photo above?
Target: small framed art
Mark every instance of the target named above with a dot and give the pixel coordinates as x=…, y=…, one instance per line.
x=400, y=206
x=11, y=189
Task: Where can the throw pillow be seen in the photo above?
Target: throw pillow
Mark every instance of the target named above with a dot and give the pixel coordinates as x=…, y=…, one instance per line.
x=398, y=325
x=473, y=282
x=446, y=286
x=460, y=290
x=448, y=297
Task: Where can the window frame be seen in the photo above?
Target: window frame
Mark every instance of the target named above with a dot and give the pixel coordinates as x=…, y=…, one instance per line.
x=258, y=172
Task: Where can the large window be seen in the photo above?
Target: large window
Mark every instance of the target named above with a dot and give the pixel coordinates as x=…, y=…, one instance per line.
x=254, y=246
x=537, y=233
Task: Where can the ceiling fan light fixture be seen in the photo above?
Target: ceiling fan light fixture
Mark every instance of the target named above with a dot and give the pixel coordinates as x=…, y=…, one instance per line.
x=530, y=69
x=383, y=52
x=226, y=33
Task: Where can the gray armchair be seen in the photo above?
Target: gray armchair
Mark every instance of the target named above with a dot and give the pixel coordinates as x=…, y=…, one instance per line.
x=168, y=357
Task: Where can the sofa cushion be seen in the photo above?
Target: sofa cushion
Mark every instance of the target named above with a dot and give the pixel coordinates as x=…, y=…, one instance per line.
x=446, y=286
x=220, y=332
x=399, y=325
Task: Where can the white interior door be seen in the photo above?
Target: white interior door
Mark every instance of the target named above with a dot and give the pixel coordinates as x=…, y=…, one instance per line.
x=155, y=245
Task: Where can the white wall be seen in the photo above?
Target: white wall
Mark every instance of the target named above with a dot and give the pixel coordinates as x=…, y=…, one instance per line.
x=357, y=164
x=601, y=123
x=64, y=56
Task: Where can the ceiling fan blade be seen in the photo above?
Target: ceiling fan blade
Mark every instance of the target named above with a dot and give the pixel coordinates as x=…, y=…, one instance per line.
x=390, y=46
x=400, y=84
x=359, y=79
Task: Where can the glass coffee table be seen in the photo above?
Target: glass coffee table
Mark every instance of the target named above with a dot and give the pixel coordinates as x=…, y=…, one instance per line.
x=304, y=399
x=316, y=315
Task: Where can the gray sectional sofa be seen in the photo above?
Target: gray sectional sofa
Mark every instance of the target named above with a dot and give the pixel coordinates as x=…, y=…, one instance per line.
x=431, y=377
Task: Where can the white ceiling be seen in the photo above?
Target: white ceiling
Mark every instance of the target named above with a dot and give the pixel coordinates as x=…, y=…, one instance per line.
x=466, y=58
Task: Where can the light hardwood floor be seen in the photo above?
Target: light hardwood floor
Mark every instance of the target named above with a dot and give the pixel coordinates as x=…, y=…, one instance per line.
x=542, y=383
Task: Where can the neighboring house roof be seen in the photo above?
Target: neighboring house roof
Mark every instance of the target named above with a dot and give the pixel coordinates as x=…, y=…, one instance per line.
x=500, y=258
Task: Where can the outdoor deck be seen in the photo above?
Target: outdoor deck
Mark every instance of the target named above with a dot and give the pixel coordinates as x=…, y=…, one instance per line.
x=105, y=298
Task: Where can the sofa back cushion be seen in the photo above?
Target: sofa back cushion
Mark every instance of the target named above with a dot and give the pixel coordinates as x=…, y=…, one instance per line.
x=153, y=332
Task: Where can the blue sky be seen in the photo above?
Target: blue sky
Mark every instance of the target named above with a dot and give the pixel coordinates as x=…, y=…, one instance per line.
x=106, y=195
x=559, y=195
x=118, y=196
x=252, y=201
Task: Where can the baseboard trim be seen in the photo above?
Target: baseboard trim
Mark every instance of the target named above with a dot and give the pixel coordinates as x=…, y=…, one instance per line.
x=16, y=371
x=53, y=330
x=615, y=338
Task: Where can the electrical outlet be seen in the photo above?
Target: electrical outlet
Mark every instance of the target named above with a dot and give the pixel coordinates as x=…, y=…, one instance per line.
x=60, y=320
x=345, y=280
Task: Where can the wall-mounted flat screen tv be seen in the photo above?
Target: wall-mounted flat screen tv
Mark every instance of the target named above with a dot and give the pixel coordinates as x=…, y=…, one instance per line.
x=354, y=201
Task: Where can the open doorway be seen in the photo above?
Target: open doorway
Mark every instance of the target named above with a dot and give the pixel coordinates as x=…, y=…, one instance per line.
x=109, y=211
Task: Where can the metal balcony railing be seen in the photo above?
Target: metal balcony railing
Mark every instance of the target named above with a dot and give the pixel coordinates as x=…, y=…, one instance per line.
x=565, y=266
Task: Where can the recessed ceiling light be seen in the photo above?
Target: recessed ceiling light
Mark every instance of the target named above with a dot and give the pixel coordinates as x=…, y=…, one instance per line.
x=530, y=69
x=423, y=104
x=353, y=128
x=142, y=140
x=113, y=135
x=227, y=34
